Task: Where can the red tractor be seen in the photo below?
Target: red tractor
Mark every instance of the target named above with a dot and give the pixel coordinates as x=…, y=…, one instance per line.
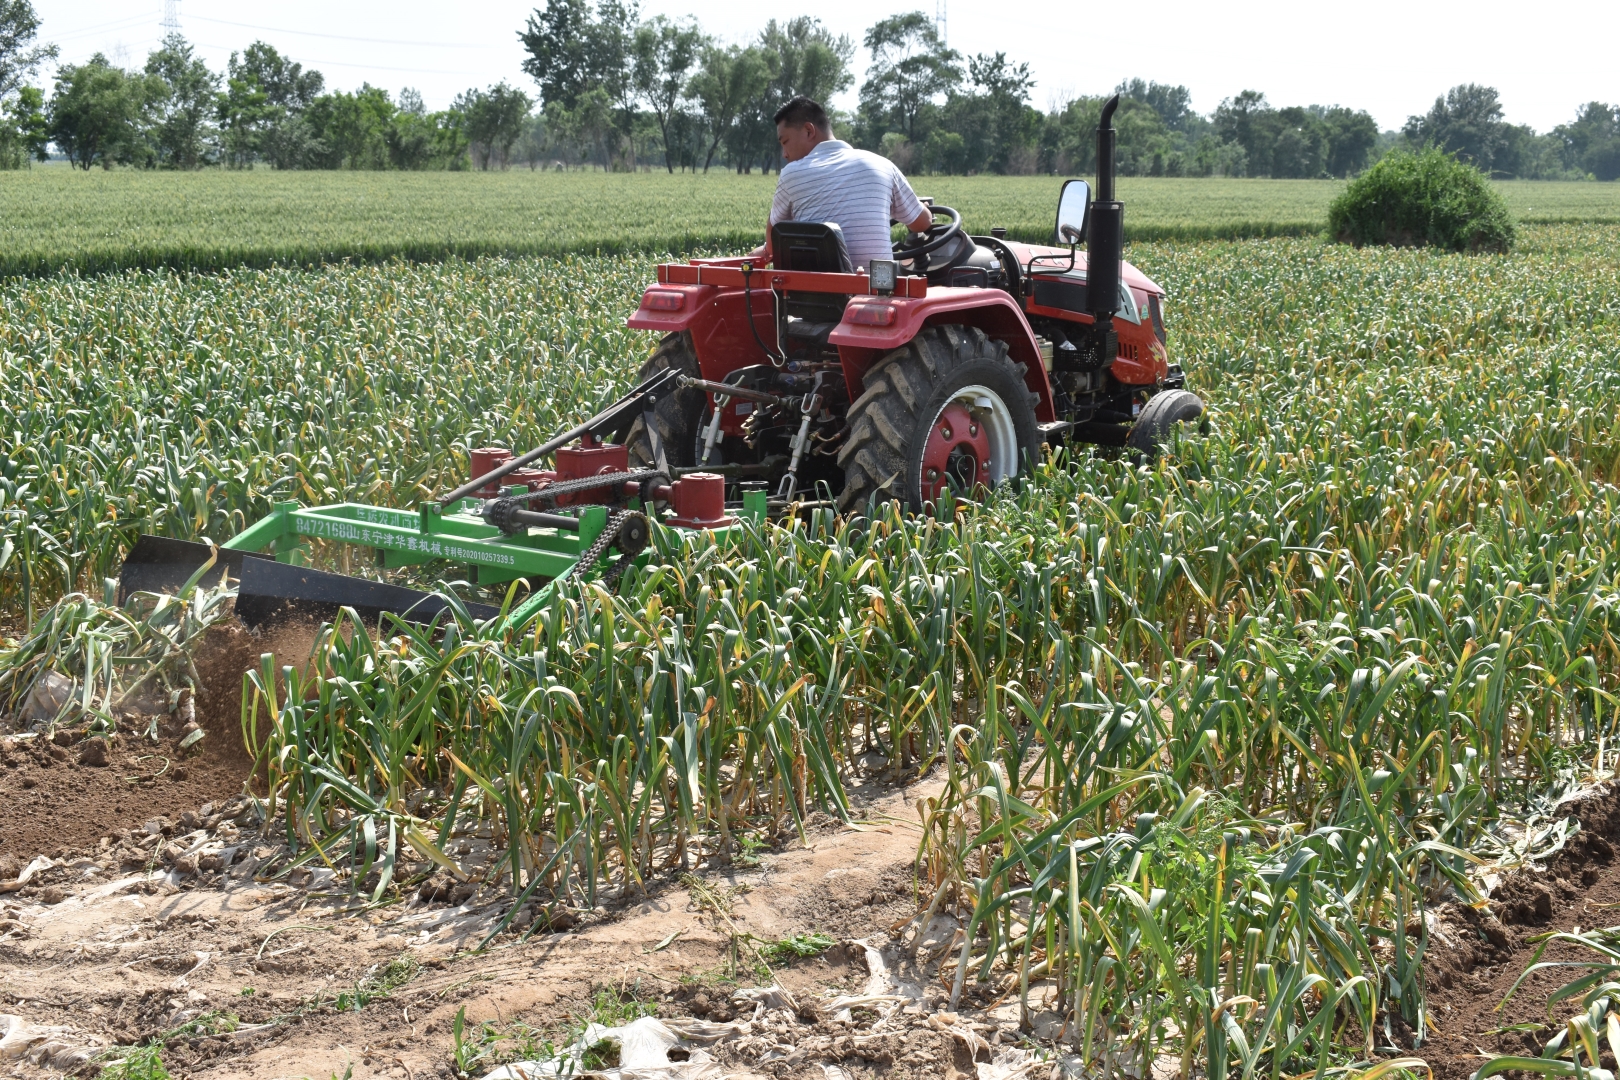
x=944, y=369
x=771, y=388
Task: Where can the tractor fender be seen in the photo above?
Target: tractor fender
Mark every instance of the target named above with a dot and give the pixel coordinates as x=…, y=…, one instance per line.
x=869, y=330
x=659, y=309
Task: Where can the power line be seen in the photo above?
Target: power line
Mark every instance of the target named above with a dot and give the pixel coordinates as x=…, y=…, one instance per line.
x=127, y=23
x=342, y=37
x=309, y=61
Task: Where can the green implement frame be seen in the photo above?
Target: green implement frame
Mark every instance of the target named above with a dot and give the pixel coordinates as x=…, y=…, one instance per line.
x=400, y=538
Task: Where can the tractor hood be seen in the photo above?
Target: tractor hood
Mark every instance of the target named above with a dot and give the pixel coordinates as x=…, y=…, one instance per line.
x=1058, y=258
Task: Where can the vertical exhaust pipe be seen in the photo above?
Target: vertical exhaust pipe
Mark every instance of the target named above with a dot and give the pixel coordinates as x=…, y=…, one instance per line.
x=1105, y=243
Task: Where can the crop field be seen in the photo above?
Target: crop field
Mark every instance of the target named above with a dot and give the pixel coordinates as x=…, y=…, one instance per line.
x=1213, y=737
x=53, y=218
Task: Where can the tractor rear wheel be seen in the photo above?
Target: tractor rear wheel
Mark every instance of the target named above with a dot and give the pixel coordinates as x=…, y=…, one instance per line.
x=676, y=417
x=1159, y=418
x=946, y=410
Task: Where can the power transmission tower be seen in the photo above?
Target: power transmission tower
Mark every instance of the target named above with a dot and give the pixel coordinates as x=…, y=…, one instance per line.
x=939, y=20
x=171, y=17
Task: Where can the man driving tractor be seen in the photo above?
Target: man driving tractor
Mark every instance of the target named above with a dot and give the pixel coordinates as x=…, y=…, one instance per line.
x=826, y=179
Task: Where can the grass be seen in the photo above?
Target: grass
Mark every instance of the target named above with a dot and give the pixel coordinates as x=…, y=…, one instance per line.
x=479, y=1047
x=140, y=1063
x=801, y=946
x=1211, y=734
x=52, y=219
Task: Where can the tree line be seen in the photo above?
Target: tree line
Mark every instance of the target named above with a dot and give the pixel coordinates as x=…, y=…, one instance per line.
x=619, y=92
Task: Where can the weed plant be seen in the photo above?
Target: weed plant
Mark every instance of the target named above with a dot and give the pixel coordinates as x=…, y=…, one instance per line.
x=1428, y=197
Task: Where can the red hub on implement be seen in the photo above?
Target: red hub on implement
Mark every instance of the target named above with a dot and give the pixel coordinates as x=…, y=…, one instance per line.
x=699, y=501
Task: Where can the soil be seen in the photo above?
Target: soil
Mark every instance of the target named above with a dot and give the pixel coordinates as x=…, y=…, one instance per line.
x=1475, y=955
x=142, y=900
x=69, y=791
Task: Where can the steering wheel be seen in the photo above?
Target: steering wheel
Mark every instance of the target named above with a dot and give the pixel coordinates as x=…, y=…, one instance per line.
x=936, y=237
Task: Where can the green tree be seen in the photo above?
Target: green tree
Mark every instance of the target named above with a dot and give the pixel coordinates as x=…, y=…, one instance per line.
x=99, y=113
x=1351, y=135
x=352, y=129
x=808, y=59
x=911, y=69
x=22, y=121
x=558, y=40
x=990, y=126
x=18, y=58
x=1592, y=142
x=1249, y=121
x=1466, y=121
x=23, y=128
x=495, y=120
x=262, y=109
x=664, y=53
x=183, y=135
x=726, y=82
x=1172, y=103
x=580, y=59
x=1298, y=144
x=418, y=139
x=1140, y=137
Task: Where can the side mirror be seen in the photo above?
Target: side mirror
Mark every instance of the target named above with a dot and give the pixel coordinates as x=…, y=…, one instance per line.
x=1074, y=210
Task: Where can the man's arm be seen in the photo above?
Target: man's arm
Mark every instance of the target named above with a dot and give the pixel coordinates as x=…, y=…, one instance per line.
x=905, y=206
x=781, y=210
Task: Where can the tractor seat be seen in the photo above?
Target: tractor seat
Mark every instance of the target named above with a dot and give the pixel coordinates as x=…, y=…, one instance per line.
x=816, y=246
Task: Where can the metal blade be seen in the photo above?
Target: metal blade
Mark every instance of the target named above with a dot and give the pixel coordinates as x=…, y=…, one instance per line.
x=273, y=591
x=159, y=564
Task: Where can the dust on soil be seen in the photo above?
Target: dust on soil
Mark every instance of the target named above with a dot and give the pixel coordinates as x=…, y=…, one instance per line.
x=61, y=795
x=1476, y=955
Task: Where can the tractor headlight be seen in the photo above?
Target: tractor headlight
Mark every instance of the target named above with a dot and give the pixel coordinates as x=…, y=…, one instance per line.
x=882, y=275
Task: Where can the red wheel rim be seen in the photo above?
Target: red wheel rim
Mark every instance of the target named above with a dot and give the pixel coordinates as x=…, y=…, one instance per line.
x=957, y=453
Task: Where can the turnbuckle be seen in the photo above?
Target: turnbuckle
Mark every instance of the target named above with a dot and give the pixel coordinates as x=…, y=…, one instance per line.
x=808, y=407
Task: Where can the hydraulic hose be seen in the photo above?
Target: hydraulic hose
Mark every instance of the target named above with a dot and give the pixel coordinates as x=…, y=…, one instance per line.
x=776, y=358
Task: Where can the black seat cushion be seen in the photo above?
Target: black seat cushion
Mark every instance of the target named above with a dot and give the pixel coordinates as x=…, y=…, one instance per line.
x=816, y=246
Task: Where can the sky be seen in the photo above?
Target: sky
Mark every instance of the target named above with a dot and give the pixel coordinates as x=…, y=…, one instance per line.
x=1390, y=57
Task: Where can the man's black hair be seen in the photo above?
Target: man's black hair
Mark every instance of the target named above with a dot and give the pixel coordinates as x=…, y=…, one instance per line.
x=801, y=110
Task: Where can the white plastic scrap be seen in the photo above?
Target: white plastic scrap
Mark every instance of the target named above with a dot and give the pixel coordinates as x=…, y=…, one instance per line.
x=644, y=1047
x=879, y=990
x=47, y=1047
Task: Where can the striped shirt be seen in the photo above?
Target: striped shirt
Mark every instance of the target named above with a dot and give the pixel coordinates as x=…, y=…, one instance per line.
x=858, y=190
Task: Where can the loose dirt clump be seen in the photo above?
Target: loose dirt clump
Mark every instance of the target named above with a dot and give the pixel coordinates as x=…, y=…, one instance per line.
x=1475, y=955
x=69, y=789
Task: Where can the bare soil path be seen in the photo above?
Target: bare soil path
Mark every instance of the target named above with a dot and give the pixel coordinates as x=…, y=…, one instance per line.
x=167, y=935
x=1475, y=955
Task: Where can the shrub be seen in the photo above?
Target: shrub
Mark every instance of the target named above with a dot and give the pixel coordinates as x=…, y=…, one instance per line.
x=1425, y=198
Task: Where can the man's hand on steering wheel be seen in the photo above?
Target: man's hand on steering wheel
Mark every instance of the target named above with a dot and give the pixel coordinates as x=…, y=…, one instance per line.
x=935, y=237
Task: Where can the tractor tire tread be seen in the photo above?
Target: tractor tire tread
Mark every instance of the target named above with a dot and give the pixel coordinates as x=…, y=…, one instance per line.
x=676, y=416
x=898, y=387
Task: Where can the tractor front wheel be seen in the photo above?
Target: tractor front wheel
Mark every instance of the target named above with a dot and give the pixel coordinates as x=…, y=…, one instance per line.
x=1159, y=418
x=948, y=410
x=676, y=417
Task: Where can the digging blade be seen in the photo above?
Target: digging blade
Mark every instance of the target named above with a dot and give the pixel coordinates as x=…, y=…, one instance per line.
x=159, y=564
x=279, y=592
